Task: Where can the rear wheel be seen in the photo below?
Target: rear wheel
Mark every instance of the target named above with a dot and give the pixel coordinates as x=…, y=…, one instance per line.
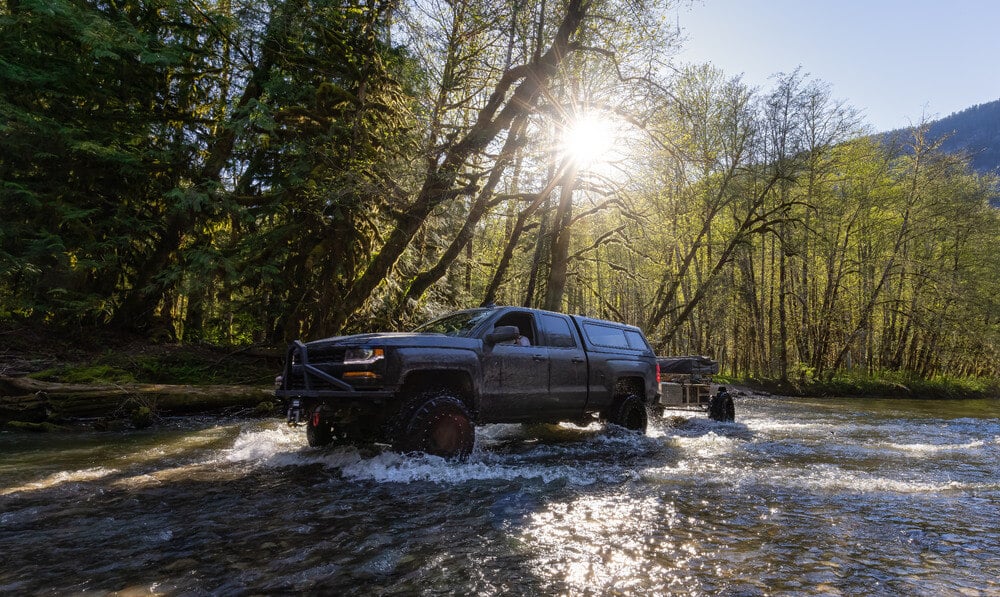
x=439, y=425
x=629, y=412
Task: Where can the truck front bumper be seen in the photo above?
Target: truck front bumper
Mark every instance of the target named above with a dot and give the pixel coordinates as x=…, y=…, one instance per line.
x=304, y=387
x=301, y=403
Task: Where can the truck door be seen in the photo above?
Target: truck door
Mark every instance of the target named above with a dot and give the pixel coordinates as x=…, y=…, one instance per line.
x=567, y=367
x=522, y=368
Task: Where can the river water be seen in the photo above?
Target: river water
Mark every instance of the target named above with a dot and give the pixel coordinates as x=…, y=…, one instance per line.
x=798, y=497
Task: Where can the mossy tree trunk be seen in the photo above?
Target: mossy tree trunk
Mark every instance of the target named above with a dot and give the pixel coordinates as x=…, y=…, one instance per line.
x=25, y=399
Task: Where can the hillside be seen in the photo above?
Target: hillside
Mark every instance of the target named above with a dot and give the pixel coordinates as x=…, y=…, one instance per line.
x=975, y=130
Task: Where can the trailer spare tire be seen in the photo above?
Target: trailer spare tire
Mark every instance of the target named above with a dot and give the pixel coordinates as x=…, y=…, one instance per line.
x=730, y=410
x=722, y=409
x=440, y=426
x=629, y=412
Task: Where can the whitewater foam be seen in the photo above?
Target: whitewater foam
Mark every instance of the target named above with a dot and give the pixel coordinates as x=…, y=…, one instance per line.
x=277, y=447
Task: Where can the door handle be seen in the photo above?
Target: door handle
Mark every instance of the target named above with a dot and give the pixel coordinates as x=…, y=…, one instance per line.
x=577, y=360
x=537, y=357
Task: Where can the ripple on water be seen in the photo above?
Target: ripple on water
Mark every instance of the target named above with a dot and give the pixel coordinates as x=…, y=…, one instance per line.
x=794, y=498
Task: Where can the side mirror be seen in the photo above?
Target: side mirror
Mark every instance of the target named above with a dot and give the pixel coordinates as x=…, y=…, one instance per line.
x=503, y=333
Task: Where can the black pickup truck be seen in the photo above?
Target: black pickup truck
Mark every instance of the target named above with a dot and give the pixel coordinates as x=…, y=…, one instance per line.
x=426, y=390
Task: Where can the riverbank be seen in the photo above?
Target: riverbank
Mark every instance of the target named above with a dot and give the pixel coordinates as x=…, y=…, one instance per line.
x=99, y=355
x=55, y=379
x=894, y=385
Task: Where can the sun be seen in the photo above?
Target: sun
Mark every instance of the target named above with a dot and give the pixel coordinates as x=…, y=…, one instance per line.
x=588, y=140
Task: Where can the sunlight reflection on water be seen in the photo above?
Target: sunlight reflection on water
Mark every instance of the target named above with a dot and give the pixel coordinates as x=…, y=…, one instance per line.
x=799, y=497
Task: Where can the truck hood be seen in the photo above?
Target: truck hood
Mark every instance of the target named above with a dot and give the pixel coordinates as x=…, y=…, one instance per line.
x=402, y=340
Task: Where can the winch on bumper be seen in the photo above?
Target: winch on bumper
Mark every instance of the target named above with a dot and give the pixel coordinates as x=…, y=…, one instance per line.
x=309, y=387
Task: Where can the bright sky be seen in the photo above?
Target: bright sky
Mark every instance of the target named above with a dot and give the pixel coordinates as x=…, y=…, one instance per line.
x=895, y=60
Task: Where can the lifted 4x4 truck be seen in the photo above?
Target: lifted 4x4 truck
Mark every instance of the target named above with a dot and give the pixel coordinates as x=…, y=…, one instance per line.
x=426, y=391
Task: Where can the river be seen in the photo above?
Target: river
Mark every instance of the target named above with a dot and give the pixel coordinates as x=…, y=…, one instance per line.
x=798, y=497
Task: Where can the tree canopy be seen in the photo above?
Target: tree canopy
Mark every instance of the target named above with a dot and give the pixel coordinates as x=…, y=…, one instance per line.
x=240, y=171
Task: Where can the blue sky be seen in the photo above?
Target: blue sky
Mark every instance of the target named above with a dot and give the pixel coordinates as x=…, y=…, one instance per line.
x=895, y=60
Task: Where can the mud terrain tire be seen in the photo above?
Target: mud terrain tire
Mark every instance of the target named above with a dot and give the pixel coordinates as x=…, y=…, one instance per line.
x=629, y=412
x=440, y=426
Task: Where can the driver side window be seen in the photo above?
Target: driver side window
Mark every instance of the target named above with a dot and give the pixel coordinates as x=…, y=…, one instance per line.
x=524, y=323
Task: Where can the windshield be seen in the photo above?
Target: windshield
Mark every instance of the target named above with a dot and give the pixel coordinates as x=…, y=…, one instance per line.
x=455, y=324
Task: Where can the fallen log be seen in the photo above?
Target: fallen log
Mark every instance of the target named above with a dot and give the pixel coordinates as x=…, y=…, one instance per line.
x=26, y=399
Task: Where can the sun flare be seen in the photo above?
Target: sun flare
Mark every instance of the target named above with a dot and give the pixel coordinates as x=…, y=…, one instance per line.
x=588, y=140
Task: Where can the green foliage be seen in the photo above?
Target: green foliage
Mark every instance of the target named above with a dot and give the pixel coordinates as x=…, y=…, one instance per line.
x=141, y=417
x=196, y=367
x=885, y=384
x=92, y=145
x=174, y=368
x=248, y=172
x=91, y=373
x=172, y=365
x=265, y=409
x=170, y=162
x=43, y=427
x=802, y=373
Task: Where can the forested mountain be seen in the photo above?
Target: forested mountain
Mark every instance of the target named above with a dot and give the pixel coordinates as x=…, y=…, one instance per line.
x=974, y=131
x=237, y=171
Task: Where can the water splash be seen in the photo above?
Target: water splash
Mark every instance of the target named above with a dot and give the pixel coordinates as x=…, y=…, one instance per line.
x=796, y=497
x=504, y=453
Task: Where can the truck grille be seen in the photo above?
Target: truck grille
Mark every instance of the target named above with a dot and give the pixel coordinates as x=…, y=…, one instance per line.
x=326, y=354
x=296, y=380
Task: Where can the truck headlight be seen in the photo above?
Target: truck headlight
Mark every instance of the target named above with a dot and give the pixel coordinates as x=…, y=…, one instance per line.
x=363, y=355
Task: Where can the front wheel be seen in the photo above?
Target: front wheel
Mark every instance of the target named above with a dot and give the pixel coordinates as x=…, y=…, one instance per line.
x=319, y=430
x=440, y=426
x=630, y=412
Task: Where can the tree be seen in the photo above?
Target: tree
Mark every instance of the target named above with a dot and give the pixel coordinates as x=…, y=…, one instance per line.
x=101, y=103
